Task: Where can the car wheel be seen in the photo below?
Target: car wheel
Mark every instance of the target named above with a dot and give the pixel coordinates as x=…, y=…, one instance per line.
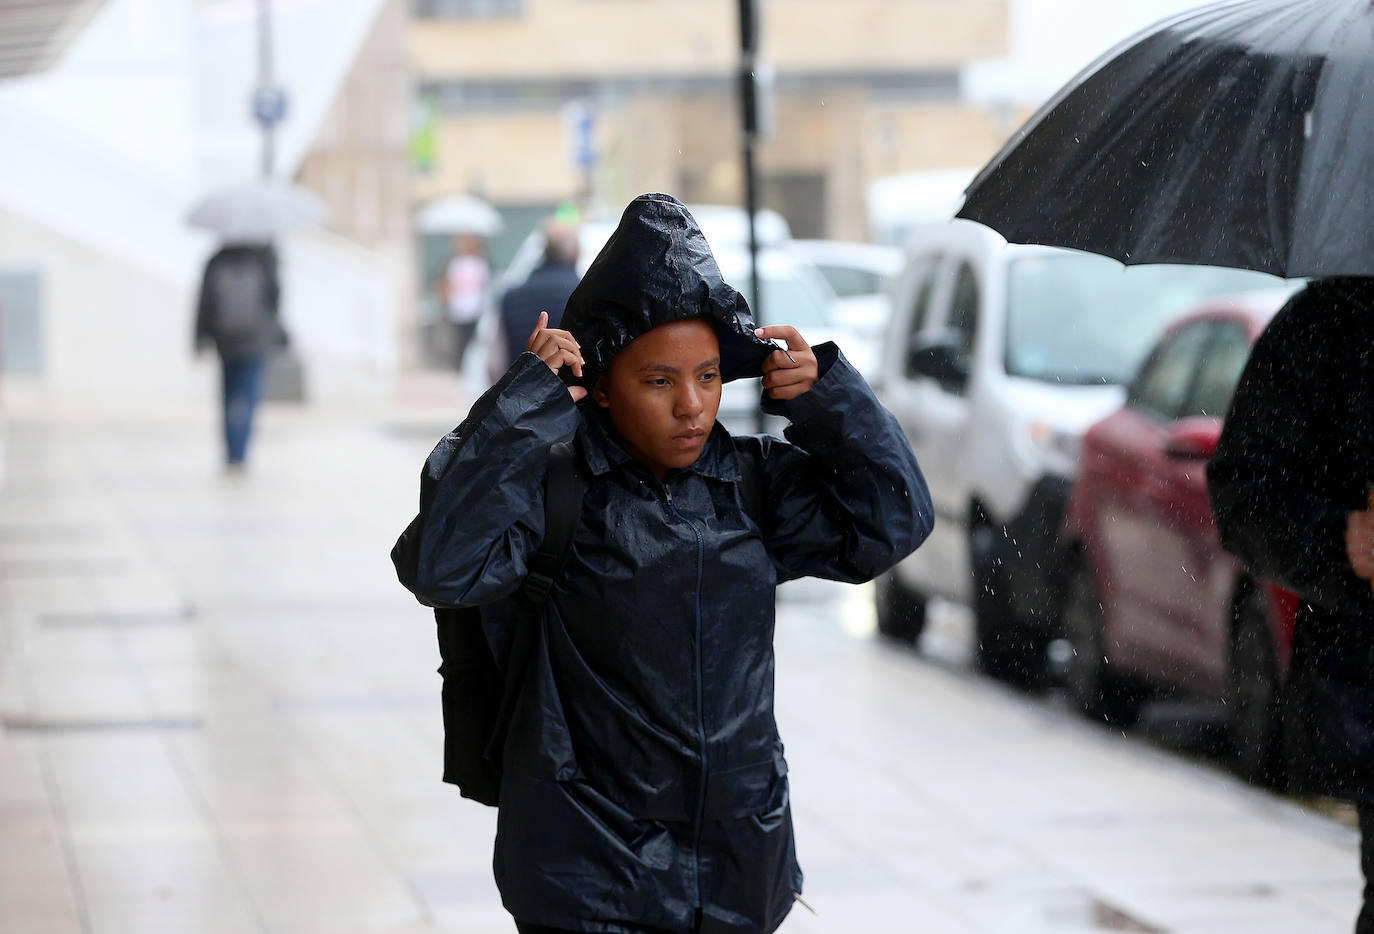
x=1096, y=690
x=1005, y=649
x=1253, y=697
x=901, y=612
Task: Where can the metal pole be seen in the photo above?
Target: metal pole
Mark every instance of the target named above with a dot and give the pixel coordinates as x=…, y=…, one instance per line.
x=751, y=202
x=265, y=80
x=748, y=40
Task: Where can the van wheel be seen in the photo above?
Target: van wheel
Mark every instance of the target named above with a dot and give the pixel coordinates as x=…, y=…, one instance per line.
x=1096, y=690
x=1253, y=697
x=1004, y=649
x=901, y=612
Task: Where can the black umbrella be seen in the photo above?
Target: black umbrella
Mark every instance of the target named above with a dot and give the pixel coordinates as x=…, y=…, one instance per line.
x=1240, y=134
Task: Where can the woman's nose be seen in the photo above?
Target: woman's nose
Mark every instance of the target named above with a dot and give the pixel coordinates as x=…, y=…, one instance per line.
x=688, y=401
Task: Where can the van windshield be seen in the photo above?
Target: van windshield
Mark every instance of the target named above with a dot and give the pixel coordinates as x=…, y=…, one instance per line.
x=1085, y=319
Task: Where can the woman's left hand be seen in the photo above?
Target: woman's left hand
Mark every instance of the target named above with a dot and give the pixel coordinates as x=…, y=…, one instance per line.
x=787, y=374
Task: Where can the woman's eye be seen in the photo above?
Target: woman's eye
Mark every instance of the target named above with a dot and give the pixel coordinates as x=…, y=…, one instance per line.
x=709, y=377
x=660, y=381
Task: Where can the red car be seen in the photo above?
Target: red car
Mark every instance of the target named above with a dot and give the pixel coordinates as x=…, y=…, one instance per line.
x=1151, y=600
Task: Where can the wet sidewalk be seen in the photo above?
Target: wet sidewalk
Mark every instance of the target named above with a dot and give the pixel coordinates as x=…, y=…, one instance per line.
x=219, y=713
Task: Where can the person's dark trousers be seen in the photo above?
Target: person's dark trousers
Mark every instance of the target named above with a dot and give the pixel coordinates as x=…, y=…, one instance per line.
x=462, y=336
x=1365, y=924
x=242, y=388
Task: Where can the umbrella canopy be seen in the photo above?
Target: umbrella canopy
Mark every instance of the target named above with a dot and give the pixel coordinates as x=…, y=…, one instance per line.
x=459, y=214
x=1233, y=135
x=258, y=212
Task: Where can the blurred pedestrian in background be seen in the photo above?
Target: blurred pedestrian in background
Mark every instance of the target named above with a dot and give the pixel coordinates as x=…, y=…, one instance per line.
x=463, y=291
x=644, y=787
x=237, y=314
x=547, y=289
x=1289, y=483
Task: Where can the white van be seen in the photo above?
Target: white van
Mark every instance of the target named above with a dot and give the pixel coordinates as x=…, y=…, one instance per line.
x=996, y=359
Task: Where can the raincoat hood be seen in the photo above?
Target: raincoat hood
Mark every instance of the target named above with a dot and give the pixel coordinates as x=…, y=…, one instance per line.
x=656, y=268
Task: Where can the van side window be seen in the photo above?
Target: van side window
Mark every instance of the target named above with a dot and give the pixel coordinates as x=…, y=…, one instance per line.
x=920, y=310
x=925, y=289
x=963, y=312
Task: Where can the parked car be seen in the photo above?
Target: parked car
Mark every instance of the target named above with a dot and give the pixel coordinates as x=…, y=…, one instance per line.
x=1152, y=600
x=996, y=359
x=861, y=274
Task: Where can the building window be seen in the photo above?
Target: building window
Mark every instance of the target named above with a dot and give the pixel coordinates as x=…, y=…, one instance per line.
x=468, y=9
x=498, y=95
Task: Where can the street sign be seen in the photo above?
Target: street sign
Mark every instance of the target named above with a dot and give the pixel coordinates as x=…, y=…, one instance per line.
x=579, y=134
x=269, y=105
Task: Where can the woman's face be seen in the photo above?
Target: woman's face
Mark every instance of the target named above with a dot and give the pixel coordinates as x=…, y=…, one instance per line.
x=662, y=393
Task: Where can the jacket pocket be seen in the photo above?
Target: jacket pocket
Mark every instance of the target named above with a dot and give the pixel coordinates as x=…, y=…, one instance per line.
x=747, y=790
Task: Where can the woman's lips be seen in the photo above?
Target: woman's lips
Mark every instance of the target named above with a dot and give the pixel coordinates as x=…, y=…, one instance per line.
x=690, y=438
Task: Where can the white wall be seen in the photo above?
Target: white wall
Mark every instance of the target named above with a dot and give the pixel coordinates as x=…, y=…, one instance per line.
x=105, y=155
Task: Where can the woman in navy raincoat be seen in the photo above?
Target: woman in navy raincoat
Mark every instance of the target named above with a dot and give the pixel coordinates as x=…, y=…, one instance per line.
x=644, y=787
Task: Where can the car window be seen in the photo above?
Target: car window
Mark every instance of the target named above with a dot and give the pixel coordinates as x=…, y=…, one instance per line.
x=848, y=281
x=963, y=312
x=1168, y=375
x=787, y=299
x=925, y=278
x=1221, y=368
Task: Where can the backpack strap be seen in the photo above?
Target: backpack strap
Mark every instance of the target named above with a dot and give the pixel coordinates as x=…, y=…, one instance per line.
x=564, y=487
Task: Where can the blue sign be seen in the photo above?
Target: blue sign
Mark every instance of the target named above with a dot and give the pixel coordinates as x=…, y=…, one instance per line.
x=584, y=129
x=579, y=133
x=269, y=105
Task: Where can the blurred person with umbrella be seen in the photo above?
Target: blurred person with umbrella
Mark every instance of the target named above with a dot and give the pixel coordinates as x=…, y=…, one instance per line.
x=465, y=281
x=1238, y=135
x=463, y=289
x=240, y=294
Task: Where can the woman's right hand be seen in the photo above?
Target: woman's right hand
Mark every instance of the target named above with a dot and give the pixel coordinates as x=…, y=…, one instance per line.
x=557, y=349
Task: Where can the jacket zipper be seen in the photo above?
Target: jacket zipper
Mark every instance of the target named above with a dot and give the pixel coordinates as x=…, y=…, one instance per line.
x=701, y=703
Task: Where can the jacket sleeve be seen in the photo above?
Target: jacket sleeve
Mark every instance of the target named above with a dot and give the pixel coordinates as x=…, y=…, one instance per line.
x=481, y=492
x=1276, y=509
x=845, y=499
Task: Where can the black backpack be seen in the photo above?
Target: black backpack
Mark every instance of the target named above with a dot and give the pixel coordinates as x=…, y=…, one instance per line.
x=480, y=690
x=239, y=293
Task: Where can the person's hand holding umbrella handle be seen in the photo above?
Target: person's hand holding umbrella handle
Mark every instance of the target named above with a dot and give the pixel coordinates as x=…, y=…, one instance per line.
x=1359, y=539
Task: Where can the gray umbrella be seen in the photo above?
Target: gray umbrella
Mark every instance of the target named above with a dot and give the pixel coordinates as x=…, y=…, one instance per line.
x=257, y=212
x=1233, y=135
x=459, y=214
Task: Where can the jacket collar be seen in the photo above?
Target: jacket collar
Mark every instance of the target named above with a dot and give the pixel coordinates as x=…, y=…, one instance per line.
x=602, y=452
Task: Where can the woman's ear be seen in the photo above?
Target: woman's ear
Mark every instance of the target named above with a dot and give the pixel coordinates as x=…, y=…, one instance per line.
x=599, y=393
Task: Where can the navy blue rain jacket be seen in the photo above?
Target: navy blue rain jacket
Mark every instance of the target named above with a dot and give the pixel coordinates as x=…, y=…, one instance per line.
x=644, y=783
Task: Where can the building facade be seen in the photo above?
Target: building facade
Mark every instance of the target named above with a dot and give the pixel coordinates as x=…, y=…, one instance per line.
x=535, y=102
